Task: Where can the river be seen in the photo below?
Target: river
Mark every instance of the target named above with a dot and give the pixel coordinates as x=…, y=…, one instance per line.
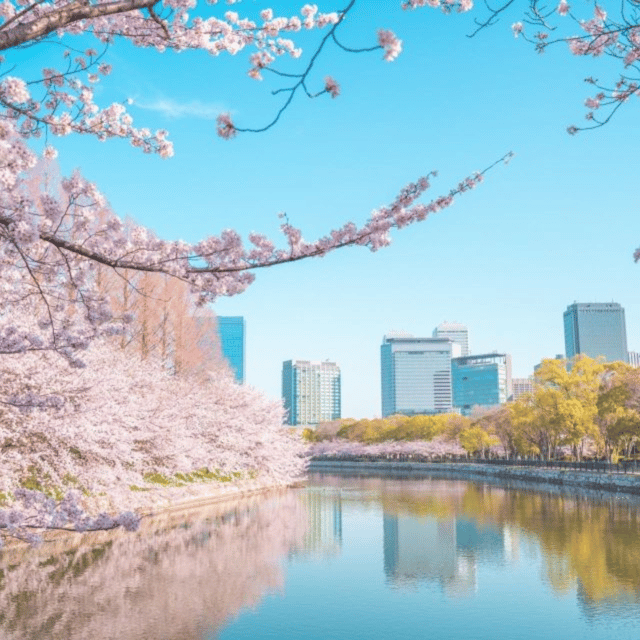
x=344, y=557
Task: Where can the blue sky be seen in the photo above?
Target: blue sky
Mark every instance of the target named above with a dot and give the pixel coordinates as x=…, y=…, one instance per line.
x=558, y=224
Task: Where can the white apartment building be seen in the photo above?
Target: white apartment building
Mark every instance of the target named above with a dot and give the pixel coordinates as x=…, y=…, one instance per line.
x=311, y=391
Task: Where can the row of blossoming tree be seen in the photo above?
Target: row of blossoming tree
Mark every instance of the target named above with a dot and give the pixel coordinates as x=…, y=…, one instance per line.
x=63, y=379
x=578, y=408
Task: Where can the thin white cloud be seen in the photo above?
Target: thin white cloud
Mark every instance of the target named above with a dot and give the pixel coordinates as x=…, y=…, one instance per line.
x=173, y=109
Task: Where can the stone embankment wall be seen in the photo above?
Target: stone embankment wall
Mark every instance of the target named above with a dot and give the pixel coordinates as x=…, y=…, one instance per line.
x=624, y=483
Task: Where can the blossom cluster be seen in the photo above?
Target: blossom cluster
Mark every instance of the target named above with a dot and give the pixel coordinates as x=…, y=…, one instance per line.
x=440, y=447
x=61, y=100
x=616, y=35
x=119, y=421
x=38, y=512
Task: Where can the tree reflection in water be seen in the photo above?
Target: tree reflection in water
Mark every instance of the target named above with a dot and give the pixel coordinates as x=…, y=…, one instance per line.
x=590, y=541
x=183, y=574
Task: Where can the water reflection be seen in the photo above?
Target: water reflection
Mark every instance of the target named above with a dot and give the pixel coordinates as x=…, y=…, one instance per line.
x=187, y=575
x=324, y=531
x=181, y=577
x=440, y=530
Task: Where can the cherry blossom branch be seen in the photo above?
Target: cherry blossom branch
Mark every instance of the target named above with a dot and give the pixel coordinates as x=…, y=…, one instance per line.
x=398, y=215
x=387, y=41
x=617, y=37
x=58, y=18
x=303, y=76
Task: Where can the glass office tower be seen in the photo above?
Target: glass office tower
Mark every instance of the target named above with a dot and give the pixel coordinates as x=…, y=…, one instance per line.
x=232, y=342
x=596, y=329
x=456, y=332
x=416, y=374
x=482, y=381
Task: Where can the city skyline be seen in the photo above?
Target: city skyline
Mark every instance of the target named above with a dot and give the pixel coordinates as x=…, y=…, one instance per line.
x=487, y=368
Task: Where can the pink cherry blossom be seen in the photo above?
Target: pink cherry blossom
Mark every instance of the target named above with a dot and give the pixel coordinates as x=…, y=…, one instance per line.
x=331, y=87
x=226, y=129
x=14, y=90
x=390, y=43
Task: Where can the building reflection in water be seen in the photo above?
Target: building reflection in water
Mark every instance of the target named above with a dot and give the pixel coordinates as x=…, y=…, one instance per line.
x=324, y=530
x=423, y=549
x=444, y=550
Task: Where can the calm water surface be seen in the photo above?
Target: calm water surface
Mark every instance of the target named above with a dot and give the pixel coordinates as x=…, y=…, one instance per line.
x=345, y=557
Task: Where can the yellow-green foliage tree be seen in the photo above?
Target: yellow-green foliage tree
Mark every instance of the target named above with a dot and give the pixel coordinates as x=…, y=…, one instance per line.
x=421, y=427
x=477, y=441
x=499, y=421
x=618, y=411
x=370, y=431
x=567, y=396
x=575, y=403
x=402, y=428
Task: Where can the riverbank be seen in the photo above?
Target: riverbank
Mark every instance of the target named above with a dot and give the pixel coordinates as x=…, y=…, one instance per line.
x=611, y=482
x=167, y=503
x=164, y=499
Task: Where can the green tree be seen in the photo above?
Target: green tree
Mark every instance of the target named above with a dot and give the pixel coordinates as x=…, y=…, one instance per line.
x=476, y=441
x=566, y=400
x=618, y=413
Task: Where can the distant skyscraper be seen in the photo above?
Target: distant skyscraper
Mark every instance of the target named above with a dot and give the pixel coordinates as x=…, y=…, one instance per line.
x=456, y=332
x=232, y=334
x=482, y=380
x=634, y=359
x=520, y=386
x=596, y=329
x=416, y=374
x=311, y=391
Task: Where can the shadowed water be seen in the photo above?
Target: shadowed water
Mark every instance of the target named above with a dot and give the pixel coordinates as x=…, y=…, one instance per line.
x=344, y=557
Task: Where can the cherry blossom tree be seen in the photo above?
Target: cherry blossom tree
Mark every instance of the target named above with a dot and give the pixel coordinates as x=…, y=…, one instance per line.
x=438, y=448
x=55, y=236
x=124, y=432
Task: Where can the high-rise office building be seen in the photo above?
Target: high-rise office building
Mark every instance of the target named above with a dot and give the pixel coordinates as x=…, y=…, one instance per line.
x=520, y=386
x=311, y=391
x=596, y=329
x=634, y=359
x=416, y=374
x=482, y=381
x=232, y=340
x=456, y=332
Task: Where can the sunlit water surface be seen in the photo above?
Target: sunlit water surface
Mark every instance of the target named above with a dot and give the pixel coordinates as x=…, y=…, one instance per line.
x=344, y=557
